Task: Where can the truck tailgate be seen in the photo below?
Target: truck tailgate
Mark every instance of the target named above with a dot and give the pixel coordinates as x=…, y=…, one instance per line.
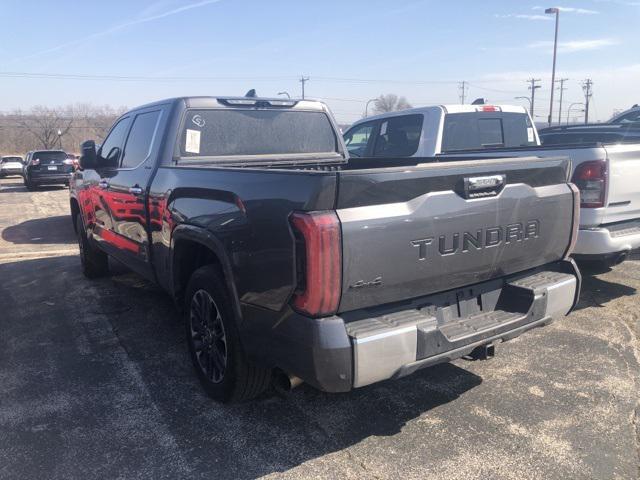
x=413, y=231
x=623, y=199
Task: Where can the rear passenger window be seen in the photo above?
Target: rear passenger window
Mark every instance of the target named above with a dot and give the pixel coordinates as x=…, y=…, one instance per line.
x=399, y=136
x=139, y=141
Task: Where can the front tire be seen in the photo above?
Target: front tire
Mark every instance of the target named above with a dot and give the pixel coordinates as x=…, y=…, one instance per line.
x=216, y=352
x=95, y=263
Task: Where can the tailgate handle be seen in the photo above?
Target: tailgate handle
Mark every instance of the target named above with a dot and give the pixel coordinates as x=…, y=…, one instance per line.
x=488, y=186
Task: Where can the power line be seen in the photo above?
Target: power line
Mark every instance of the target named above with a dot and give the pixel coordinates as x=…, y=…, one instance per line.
x=488, y=89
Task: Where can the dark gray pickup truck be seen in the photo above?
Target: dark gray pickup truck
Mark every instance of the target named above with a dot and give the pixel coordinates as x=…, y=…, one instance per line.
x=287, y=256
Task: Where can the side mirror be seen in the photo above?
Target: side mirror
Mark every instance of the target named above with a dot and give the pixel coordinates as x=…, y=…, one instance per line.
x=88, y=157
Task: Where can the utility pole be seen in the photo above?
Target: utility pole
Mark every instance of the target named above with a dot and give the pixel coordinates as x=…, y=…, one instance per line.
x=586, y=87
x=562, y=89
x=303, y=80
x=533, y=88
x=463, y=91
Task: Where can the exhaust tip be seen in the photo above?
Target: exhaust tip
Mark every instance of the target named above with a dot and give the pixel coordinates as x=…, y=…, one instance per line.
x=621, y=258
x=283, y=383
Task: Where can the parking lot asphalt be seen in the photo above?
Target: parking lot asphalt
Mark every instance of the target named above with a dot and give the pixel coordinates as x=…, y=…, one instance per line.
x=96, y=382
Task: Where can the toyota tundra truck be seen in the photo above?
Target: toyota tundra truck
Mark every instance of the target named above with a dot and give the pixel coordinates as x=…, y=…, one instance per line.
x=287, y=257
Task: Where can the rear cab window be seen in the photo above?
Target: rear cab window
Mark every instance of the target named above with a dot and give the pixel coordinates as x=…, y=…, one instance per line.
x=478, y=130
x=221, y=133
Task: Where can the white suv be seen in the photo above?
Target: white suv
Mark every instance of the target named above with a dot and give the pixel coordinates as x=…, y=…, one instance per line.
x=11, y=165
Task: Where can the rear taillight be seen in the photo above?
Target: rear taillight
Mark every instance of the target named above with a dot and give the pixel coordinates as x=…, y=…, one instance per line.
x=576, y=220
x=591, y=178
x=319, y=264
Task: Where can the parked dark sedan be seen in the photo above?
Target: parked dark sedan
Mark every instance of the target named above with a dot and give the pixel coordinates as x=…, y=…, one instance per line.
x=47, y=167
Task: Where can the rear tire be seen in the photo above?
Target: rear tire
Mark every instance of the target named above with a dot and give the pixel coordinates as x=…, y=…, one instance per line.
x=212, y=334
x=29, y=184
x=95, y=263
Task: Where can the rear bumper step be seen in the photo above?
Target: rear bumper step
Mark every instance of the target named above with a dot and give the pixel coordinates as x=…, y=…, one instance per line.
x=453, y=324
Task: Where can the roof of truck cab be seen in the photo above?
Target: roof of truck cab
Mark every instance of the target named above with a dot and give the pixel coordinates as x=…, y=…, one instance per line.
x=213, y=101
x=443, y=109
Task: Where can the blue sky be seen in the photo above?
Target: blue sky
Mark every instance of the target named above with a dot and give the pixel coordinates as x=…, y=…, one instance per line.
x=352, y=51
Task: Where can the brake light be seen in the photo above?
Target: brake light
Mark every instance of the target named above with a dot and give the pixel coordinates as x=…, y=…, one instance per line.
x=35, y=161
x=319, y=237
x=489, y=108
x=576, y=220
x=591, y=178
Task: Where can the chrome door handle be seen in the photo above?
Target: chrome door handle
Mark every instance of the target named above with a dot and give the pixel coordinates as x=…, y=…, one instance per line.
x=135, y=190
x=103, y=184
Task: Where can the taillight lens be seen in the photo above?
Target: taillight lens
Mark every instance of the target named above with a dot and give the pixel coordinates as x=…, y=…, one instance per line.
x=591, y=178
x=319, y=237
x=576, y=220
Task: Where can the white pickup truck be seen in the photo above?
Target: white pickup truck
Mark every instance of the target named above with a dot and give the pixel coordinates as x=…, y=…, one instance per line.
x=608, y=175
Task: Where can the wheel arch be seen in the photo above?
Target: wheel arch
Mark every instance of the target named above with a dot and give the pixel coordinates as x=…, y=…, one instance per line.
x=75, y=211
x=194, y=247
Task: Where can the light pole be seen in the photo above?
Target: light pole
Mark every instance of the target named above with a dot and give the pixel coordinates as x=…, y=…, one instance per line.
x=528, y=100
x=285, y=93
x=60, y=138
x=366, y=107
x=555, y=11
x=569, y=110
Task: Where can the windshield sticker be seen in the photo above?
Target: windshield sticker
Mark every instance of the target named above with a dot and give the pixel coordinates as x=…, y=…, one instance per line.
x=198, y=120
x=192, y=143
x=530, y=137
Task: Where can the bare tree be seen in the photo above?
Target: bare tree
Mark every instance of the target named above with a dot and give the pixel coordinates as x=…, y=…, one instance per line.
x=390, y=103
x=48, y=125
x=38, y=128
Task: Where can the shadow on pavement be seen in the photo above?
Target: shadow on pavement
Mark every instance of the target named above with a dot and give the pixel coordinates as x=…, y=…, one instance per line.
x=597, y=292
x=110, y=367
x=50, y=230
x=18, y=186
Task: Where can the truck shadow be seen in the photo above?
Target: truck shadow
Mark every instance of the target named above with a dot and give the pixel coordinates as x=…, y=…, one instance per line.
x=596, y=292
x=48, y=230
x=134, y=341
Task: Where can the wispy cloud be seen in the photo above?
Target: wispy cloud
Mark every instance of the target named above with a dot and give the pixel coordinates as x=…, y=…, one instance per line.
x=620, y=2
x=120, y=26
x=522, y=16
x=579, y=11
x=575, y=45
